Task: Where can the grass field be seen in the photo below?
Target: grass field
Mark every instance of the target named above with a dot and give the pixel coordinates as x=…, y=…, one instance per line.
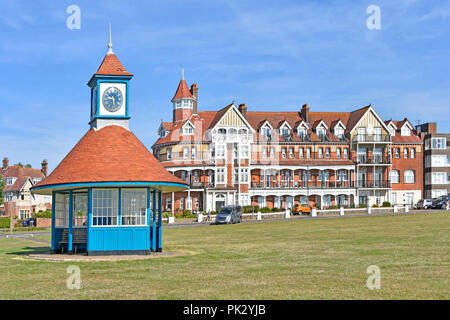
x=311, y=259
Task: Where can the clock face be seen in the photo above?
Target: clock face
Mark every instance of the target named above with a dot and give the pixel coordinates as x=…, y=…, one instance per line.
x=112, y=99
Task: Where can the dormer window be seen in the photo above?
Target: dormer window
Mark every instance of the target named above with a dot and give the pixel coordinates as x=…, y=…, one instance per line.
x=320, y=132
x=265, y=132
x=302, y=133
x=162, y=133
x=188, y=129
x=10, y=181
x=339, y=132
x=405, y=131
x=184, y=103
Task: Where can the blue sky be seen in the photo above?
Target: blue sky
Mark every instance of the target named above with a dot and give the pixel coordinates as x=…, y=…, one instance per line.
x=271, y=55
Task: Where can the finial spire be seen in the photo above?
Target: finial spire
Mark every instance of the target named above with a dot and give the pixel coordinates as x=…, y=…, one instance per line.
x=182, y=73
x=110, y=43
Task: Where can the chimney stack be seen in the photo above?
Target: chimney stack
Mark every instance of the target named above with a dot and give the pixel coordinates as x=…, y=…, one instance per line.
x=243, y=110
x=194, y=92
x=44, y=169
x=5, y=163
x=305, y=113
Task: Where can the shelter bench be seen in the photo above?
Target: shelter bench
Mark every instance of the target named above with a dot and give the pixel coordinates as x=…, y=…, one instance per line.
x=79, y=236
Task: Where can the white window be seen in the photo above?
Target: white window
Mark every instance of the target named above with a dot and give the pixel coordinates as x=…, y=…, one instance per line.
x=244, y=151
x=283, y=153
x=438, y=143
x=438, y=160
x=338, y=153
x=265, y=132
x=405, y=153
x=235, y=176
x=394, y=198
x=397, y=153
x=345, y=153
x=395, y=176
x=361, y=134
x=301, y=133
x=261, y=202
x=220, y=151
x=320, y=153
x=409, y=176
x=272, y=152
x=185, y=152
x=264, y=152
x=244, y=201
x=193, y=152
x=134, y=207
x=413, y=153
x=291, y=153
x=327, y=153
x=436, y=193
x=308, y=153
x=405, y=131
x=104, y=207
x=300, y=153
x=320, y=132
x=339, y=132
x=177, y=104
x=188, y=129
x=439, y=178
x=181, y=203
x=10, y=181
x=220, y=175
x=244, y=175
x=169, y=153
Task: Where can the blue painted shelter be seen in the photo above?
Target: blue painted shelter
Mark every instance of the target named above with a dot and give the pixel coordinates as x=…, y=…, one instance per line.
x=107, y=192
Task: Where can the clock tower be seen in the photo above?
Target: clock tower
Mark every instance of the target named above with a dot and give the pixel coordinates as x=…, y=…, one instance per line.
x=109, y=92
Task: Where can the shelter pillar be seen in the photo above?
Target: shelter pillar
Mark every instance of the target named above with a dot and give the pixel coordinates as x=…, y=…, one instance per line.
x=159, y=239
x=153, y=233
x=69, y=243
x=53, y=248
x=89, y=222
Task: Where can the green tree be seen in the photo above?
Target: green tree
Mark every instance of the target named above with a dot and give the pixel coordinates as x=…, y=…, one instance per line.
x=28, y=165
x=2, y=185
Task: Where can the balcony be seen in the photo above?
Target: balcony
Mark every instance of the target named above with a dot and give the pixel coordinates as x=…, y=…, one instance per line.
x=375, y=159
x=365, y=138
x=374, y=184
x=303, y=185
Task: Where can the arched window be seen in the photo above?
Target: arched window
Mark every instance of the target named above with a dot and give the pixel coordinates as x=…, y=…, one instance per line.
x=409, y=176
x=232, y=133
x=394, y=176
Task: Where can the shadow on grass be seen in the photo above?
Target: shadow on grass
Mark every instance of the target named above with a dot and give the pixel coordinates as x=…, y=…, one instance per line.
x=30, y=250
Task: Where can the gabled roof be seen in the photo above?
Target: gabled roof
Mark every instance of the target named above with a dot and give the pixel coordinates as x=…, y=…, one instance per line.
x=17, y=185
x=111, y=66
x=111, y=154
x=336, y=123
x=282, y=123
x=182, y=91
x=319, y=123
x=391, y=123
x=300, y=124
x=19, y=172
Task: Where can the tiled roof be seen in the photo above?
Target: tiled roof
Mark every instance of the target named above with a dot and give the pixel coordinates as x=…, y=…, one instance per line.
x=182, y=91
x=108, y=155
x=18, y=172
x=406, y=139
x=112, y=66
x=17, y=185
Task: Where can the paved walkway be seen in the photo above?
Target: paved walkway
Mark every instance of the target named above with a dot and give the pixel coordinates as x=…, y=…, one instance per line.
x=86, y=258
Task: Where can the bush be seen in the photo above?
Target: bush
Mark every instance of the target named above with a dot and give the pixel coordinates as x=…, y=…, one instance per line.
x=250, y=209
x=386, y=204
x=19, y=223
x=332, y=207
x=375, y=206
x=363, y=206
x=265, y=210
x=43, y=214
x=5, y=223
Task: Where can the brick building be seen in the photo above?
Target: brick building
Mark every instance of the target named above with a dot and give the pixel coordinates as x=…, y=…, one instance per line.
x=18, y=198
x=436, y=161
x=276, y=159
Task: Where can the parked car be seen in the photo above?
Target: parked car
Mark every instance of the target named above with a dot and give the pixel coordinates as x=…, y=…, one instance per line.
x=29, y=223
x=424, y=204
x=302, y=208
x=229, y=214
x=440, y=203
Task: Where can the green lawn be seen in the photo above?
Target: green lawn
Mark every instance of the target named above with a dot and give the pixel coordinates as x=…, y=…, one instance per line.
x=309, y=259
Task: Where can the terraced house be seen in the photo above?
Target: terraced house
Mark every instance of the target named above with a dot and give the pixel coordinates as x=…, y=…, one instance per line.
x=276, y=159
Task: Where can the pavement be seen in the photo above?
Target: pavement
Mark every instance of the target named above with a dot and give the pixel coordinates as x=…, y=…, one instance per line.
x=31, y=235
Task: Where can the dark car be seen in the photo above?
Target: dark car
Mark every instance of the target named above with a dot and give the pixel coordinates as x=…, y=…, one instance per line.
x=29, y=223
x=229, y=214
x=440, y=203
x=424, y=204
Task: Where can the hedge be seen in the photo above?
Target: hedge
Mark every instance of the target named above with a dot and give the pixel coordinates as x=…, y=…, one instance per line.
x=5, y=223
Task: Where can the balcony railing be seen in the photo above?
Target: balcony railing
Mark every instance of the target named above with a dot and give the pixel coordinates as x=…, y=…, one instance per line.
x=303, y=185
x=375, y=159
x=372, y=138
x=374, y=184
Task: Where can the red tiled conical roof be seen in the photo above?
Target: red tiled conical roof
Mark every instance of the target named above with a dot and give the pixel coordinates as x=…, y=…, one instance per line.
x=112, y=66
x=182, y=91
x=111, y=154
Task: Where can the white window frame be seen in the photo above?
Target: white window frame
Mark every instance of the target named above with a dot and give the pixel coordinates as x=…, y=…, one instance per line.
x=438, y=143
x=409, y=176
